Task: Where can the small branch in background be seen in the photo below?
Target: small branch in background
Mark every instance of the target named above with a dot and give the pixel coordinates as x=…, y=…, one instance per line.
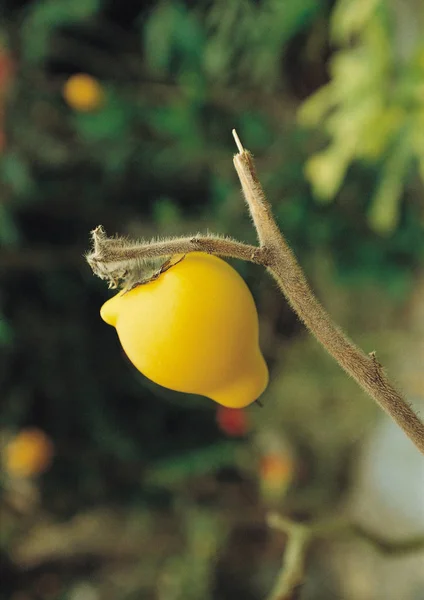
x=292, y=570
x=300, y=536
x=384, y=546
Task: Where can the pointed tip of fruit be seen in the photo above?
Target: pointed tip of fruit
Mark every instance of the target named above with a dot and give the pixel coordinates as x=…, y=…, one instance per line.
x=245, y=389
x=109, y=312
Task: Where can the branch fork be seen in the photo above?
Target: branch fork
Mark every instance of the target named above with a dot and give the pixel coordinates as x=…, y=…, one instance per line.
x=301, y=536
x=123, y=262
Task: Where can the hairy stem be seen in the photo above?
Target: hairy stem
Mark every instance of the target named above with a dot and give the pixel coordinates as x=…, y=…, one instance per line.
x=114, y=258
x=283, y=266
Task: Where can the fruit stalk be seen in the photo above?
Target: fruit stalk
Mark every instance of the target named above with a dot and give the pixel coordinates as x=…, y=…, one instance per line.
x=117, y=259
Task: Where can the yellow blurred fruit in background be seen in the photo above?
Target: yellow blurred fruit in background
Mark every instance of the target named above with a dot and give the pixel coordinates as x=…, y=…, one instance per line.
x=194, y=329
x=83, y=92
x=29, y=453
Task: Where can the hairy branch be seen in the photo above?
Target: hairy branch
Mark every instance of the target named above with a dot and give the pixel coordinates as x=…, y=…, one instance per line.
x=283, y=266
x=118, y=259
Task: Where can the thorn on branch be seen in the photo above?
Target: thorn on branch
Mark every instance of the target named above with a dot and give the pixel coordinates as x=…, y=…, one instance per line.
x=379, y=369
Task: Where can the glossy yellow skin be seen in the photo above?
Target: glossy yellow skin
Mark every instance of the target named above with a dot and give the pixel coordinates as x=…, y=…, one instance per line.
x=195, y=330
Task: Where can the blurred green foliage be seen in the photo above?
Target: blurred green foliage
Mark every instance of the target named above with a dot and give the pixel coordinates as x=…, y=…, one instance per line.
x=155, y=159
x=372, y=107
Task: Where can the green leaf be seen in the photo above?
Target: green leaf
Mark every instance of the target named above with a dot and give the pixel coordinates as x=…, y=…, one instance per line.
x=111, y=122
x=255, y=129
x=16, y=174
x=165, y=212
x=192, y=464
x=43, y=17
x=384, y=213
x=9, y=233
x=173, y=32
x=350, y=17
x=158, y=36
x=6, y=332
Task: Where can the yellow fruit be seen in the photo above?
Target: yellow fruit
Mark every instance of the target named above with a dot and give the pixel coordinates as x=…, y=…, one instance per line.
x=83, y=93
x=30, y=452
x=195, y=330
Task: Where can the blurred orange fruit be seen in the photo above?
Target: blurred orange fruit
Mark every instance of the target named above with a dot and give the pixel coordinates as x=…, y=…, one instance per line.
x=29, y=453
x=275, y=474
x=83, y=92
x=275, y=467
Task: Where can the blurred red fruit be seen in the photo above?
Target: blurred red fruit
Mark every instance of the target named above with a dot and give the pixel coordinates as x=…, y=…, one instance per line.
x=232, y=421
